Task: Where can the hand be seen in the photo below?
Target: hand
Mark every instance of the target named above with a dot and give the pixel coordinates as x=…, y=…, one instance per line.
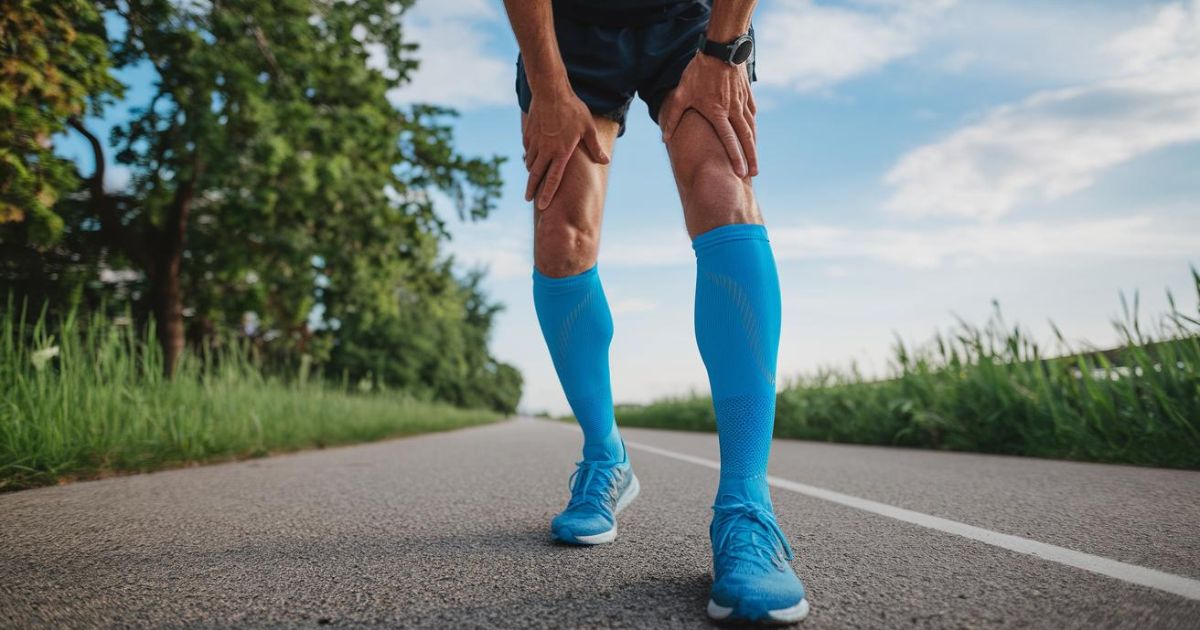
x=557, y=123
x=721, y=93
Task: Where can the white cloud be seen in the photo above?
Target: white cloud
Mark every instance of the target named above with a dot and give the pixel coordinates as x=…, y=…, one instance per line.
x=1134, y=237
x=456, y=66
x=633, y=305
x=503, y=248
x=1043, y=44
x=836, y=271
x=117, y=178
x=1056, y=142
x=808, y=46
x=1126, y=237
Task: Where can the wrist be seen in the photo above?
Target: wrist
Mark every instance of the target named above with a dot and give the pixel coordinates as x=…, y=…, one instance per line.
x=726, y=34
x=725, y=30
x=553, y=93
x=550, y=85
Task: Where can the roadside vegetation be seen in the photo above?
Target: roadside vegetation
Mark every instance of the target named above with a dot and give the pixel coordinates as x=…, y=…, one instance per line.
x=243, y=250
x=993, y=389
x=88, y=397
x=239, y=176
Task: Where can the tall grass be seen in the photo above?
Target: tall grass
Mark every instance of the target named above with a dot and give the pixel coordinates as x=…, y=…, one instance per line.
x=994, y=389
x=88, y=398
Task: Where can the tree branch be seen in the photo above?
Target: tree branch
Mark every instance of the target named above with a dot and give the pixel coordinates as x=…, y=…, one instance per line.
x=176, y=223
x=96, y=181
x=260, y=40
x=104, y=205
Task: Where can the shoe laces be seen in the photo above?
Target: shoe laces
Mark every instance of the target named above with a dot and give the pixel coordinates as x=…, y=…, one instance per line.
x=593, y=484
x=748, y=532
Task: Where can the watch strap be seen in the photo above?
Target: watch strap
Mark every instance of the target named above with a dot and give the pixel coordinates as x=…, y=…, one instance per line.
x=723, y=51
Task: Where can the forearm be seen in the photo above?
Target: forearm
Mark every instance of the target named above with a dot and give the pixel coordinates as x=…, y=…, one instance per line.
x=729, y=19
x=533, y=24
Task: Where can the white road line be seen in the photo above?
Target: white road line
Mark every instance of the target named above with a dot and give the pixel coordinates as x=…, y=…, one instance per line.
x=1176, y=584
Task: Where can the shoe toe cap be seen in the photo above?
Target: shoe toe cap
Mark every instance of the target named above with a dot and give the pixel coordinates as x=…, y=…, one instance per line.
x=755, y=596
x=569, y=525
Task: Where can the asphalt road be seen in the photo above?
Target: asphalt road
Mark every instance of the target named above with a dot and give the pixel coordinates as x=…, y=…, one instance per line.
x=450, y=531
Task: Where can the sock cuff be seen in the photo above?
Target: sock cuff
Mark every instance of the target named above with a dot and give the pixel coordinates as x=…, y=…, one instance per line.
x=727, y=233
x=566, y=284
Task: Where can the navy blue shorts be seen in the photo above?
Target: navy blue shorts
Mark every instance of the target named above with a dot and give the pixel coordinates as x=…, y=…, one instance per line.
x=611, y=55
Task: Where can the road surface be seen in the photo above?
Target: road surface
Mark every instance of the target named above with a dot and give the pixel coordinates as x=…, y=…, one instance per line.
x=450, y=531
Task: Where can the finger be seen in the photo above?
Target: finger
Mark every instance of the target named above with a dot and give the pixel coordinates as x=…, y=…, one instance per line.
x=729, y=138
x=749, y=116
x=531, y=156
x=750, y=101
x=554, y=177
x=746, y=137
x=536, y=172
x=591, y=140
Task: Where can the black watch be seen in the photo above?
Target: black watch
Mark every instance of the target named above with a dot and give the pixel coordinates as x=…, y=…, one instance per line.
x=734, y=53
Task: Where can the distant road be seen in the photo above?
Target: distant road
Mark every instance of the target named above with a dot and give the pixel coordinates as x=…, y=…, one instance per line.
x=450, y=531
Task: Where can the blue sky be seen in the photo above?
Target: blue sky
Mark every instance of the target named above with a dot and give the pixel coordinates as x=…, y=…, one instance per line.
x=919, y=158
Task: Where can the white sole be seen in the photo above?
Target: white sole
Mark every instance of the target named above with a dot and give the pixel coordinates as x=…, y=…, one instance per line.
x=630, y=494
x=625, y=499
x=781, y=616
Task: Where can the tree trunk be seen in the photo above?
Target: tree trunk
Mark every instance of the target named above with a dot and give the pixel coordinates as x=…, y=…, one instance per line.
x=166, y=291
x=158, y=251
x=167, y=307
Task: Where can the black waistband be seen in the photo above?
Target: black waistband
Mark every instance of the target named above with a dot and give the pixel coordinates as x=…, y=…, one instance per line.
x=619, y=14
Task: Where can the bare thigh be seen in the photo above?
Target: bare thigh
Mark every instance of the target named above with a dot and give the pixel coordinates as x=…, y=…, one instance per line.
x=566, y=234
x=712, y=194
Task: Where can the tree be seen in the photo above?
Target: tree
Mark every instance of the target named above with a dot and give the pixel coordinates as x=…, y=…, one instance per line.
x=55, y=66
x=436, y=335
x=269, y=156
x=271, y=176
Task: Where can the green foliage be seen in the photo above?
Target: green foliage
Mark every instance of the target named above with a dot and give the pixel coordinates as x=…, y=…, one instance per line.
x=88, y=398
x=992, y=389
x=270, y=175
x=54, y=66
x=443, y=356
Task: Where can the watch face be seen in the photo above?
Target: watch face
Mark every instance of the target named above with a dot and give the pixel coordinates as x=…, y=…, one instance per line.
x=743, y=50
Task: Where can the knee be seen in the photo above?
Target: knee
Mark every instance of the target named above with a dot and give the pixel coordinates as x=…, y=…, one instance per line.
x=713, y=195
x=564, y=244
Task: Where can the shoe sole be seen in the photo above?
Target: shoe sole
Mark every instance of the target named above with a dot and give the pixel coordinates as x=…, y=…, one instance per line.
x=606, y=537
x=778, y=617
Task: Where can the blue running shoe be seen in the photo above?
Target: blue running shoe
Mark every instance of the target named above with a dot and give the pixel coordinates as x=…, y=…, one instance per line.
x=599, y=491
x=752, y=579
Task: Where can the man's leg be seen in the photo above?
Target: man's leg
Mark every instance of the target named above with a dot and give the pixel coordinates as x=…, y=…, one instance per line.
x=737, y=330
x=570, y=300
x=737, y=303
x=577, y=326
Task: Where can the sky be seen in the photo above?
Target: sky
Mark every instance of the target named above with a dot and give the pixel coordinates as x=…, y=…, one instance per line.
x=918, y=160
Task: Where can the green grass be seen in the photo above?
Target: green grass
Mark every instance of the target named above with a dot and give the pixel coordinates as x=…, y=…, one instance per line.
x=992, y=389
x=90, y=400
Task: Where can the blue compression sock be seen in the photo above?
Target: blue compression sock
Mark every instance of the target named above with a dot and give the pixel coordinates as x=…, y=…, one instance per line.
x=578, y=328
x=737, y=330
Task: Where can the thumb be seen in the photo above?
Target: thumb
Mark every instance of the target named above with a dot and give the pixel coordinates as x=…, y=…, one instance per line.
x=592, y=141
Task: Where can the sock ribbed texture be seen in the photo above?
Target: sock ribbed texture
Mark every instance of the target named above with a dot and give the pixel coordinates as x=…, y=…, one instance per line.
x=737, y=330
x=578, y=328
